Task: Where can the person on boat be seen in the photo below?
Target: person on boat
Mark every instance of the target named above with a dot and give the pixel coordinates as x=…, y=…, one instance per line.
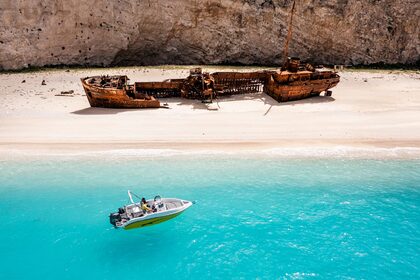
x=144, y=206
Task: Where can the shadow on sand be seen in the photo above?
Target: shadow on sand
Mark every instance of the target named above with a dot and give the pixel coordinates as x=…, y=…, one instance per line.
x=106, y=111
x=310, y=100
x=268, y=100
x=198, y=105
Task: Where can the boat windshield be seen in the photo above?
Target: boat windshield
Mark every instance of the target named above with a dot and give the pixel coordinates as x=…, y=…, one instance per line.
x=173, y=204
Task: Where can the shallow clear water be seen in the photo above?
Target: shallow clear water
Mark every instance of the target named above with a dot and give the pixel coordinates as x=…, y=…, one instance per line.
x=269, y=218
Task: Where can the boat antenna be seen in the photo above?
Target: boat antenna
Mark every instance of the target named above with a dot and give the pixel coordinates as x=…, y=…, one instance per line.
x=289, y=33
x=129, y=195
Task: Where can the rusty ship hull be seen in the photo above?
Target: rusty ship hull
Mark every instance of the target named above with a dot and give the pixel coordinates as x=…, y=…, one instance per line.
x=288, y=86
x=292, y=82
x=116, y=94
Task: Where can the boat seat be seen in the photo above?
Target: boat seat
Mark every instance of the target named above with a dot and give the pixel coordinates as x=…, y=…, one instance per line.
x=137, y=214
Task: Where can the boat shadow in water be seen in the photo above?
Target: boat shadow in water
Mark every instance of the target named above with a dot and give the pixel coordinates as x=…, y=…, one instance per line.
x=107, y=111
x=134, y=244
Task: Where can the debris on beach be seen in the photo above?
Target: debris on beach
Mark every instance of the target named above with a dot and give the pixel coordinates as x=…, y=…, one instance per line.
x=24, y=81
x=43, y=83
x=69, y=93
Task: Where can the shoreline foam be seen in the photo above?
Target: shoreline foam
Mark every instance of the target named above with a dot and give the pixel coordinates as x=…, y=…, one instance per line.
x=83, y=151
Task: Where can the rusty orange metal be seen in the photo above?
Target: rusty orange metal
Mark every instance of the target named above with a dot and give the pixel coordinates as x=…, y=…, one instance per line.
x=294, y=81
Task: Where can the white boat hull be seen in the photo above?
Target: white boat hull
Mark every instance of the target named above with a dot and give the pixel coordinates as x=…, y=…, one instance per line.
x=169, y=209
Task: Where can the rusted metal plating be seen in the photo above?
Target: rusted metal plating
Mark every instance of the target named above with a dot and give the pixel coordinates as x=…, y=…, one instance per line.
x=294, y=81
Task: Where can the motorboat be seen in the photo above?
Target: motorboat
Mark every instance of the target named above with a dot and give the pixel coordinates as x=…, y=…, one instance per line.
x=161, y=209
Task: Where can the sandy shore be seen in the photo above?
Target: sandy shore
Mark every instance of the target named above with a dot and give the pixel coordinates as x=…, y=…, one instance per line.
x=372, y=109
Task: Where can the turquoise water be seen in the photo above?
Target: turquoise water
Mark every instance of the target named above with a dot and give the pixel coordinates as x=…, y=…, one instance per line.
x=255, y=218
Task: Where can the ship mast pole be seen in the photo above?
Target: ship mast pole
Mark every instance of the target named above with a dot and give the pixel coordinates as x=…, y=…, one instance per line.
x=289, y=33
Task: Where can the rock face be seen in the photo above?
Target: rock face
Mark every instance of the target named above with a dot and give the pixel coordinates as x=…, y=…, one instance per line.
x=132, y=32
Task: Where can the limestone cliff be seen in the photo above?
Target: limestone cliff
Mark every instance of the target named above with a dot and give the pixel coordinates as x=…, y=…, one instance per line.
x=129, y=32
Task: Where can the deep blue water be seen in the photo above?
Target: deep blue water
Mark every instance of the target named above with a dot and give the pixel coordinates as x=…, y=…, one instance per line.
x=255, y=218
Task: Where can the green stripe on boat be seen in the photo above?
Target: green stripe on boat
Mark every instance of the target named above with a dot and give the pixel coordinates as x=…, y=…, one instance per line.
x=152, y=221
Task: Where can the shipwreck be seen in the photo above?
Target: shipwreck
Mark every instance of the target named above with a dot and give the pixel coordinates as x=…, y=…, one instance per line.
x=293, y=81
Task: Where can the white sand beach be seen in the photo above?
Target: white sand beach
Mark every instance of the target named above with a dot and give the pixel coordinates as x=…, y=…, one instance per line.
x=368, y=109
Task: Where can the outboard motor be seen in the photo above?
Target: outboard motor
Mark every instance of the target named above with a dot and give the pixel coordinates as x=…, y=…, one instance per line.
x=114, y=218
